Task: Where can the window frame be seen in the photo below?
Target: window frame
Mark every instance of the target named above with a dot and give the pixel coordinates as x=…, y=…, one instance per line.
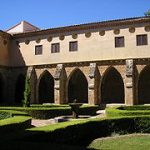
x=55, y=47
x=118, y=42
x=73, y=46
x=38, y=51
x=141, y=39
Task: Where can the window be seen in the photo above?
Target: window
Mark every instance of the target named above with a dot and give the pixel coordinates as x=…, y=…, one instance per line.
x=119, y=41
x=141, y=40
x=55, y=48
x=38, y=49
x=73, y=46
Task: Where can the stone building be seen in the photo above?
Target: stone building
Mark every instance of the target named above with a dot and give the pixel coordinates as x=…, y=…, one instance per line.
x=95, y=63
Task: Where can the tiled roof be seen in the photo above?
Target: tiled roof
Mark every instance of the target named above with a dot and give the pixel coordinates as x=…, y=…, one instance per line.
x=86, y=26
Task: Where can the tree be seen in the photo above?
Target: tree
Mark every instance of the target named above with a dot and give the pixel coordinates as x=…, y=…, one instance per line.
x=147, y=13
x=27, y=93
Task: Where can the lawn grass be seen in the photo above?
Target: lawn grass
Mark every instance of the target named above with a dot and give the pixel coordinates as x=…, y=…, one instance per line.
x=125, y=142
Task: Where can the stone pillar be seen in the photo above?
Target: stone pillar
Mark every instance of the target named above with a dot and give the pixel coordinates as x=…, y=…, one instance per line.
x=59, y=84
x=129, y=82
x=93, y=84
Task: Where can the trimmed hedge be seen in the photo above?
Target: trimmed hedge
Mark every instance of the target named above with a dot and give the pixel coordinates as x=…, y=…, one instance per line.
x=14, y=120
x=55, y=112
x=4, y=115
x=84, y=132
x=15, y=123
x=136, y=107
x=46, y=112
x=127, y=111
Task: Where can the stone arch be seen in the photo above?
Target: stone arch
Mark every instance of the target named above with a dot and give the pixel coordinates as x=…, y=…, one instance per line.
x=46, y=88
x=144, y=86
x=112, y=87
x=20, y=87
x=77, y=87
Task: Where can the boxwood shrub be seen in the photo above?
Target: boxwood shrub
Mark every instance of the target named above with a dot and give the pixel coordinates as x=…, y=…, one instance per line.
x=84, y=132
x=127, y=111
x=46, y=112
x=4, y=115
x=14, y=124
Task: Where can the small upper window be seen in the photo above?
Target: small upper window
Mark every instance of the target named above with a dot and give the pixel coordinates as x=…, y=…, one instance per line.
x=73, y=46
x=38, y=49
x=141, y=40
x=55, y=48
x=119, y=41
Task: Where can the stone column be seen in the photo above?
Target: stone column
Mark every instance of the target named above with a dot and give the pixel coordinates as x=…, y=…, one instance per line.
x=129, y=82
x=93, y=84
x=60, y=84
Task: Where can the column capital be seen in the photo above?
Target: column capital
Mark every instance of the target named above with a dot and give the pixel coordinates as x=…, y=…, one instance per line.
x=58, y=71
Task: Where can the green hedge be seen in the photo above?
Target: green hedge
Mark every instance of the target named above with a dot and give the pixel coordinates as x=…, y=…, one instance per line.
x=10, y=113
x=4, y=114
x=55, y=112
x=15, y=123
x=83, y=133
x=126, y=111
x=46, y=112
x=136, y=107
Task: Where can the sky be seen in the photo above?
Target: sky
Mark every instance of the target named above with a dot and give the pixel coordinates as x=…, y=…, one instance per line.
x=56, y=13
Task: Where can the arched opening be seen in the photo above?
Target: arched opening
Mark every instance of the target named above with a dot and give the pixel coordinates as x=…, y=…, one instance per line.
x=46, y=88
x=77, y=87
x=20, y=87
x=1, y=88
x=144, y=86
x=112, y=87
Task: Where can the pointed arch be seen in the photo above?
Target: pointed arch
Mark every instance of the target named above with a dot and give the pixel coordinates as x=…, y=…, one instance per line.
x=77, y=87
x=46, y=88
x=112, y=87
x=20, y=87
x=144, y=86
